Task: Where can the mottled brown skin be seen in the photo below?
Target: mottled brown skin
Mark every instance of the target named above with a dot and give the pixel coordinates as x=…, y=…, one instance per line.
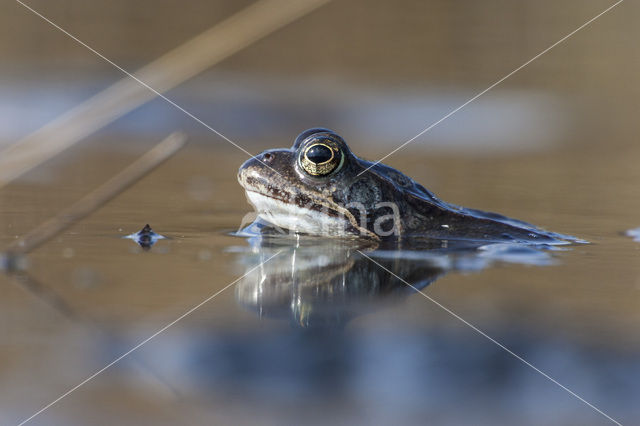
x=277, y=174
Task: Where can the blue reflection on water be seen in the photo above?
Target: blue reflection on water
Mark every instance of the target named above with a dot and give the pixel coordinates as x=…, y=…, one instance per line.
x=406, y=374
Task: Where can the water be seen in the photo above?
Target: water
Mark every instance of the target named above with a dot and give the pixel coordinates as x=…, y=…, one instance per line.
x=320, y=333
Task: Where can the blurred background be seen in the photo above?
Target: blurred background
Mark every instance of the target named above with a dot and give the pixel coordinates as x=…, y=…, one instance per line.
x=555, y=144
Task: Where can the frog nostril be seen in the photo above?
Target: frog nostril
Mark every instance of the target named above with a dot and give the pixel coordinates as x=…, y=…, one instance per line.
x=267, y=157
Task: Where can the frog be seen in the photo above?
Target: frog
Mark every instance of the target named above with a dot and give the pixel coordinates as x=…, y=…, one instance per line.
x=319, y=187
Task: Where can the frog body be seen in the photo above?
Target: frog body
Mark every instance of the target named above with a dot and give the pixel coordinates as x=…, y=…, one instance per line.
x=319, y=187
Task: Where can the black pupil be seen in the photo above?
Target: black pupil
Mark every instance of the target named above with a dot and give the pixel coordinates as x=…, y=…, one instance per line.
x=319, y=154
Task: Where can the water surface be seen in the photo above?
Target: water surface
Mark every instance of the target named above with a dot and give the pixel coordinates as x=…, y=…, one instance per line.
x=320, y=333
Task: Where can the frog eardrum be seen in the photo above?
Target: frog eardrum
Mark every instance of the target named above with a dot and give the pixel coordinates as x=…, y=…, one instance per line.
x=320, y=157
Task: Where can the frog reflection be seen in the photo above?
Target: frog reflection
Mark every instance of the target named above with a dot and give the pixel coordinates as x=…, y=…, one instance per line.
x=327, y=282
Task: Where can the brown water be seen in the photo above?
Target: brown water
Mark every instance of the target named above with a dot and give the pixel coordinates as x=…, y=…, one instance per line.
x=89, y=296
x=320, y=334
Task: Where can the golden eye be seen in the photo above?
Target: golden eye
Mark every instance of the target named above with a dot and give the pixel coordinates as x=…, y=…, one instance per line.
x=320, y=159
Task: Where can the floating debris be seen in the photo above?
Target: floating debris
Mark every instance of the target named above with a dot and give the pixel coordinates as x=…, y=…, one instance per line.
x=633, y=233
x=145, y=237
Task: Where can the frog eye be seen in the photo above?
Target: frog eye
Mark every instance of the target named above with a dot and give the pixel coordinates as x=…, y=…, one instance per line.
x=320, y=159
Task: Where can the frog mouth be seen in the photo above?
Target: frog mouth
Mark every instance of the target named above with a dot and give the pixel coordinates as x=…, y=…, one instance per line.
x=295, y=217
x=261, y=194
x=263, y=202
x=298, y=212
